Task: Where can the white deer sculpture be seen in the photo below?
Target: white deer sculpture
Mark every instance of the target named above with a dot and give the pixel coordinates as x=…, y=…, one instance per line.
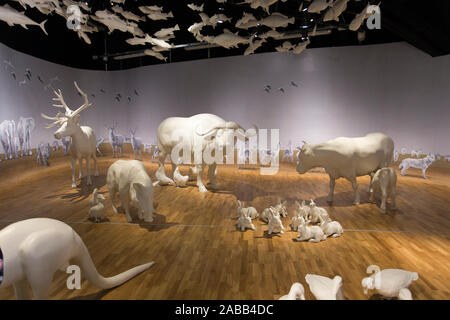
x=84, y=141
x=136, y=143
x=116, y=140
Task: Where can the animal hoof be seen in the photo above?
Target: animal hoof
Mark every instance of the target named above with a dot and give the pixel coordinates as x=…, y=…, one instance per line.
x=202, y=189
x=74, y=185
x=356, y=203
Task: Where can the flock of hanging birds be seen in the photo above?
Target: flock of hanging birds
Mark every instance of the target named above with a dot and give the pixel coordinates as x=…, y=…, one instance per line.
x=117, y=18
x=49, y=84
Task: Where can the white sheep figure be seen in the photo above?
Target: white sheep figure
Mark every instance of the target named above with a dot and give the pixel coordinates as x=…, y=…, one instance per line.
x=316, y=213
x=275, y=224
x=250, y=211
x=331, y=228
x=324, y=288
x=297, y=292
x=297, y=221
x=281, y=208
x=310, y=233
x=244, y=222
x=97, y=206
x=384, y=180
x=301, y=214
x=179, y=179
x=389, y=282
x=266, y=214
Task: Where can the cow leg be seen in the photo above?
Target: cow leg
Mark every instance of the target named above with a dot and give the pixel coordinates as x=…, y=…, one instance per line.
x=80, y=164
x=112, y=195
x=161, y=173
x=212, y=173
x=393, y=201
x=124, y=199
x=88, y=167
x=423, y=173
x=200, y=185
x=355, y=189
x=95, y=165
x=74, y=182
x=332, y=185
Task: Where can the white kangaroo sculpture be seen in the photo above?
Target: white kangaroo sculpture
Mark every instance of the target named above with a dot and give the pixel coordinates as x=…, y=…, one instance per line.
x=84, y=141
x=31, y=256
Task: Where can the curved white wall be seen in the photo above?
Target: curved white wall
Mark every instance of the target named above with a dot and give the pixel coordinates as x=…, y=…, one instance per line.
x=345, y=91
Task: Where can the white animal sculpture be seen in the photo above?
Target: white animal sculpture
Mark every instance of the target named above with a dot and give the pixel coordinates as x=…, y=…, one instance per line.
x=248, y=211
x=34, y=249
x=211, y=131
x=136, y=144
x=66, y=141
x=97, y=206
x=43, y=153
x=7, y=135
x=24, y=128
x=280, y=207
x=116, y=141
x=288, y=153
x=316, y=213
x=83, y=139
x=244, y=221
x=12, y=17
x=384, y=180
x=275, y=224
x=347, y=158
x=389, y=283
x=396, y=155
x=276, y=20
x=301, y=214
x=324, y=288
x=96, y=198
x=318, y=5
x=297, y=292
x=100, y=140
x=227, y=39
x=403, y=151
x=416, y=153
x=331, y=228
x=335, y=10
x=55, y=145
x=423, y=164
x=130, y=179
x=310, y=233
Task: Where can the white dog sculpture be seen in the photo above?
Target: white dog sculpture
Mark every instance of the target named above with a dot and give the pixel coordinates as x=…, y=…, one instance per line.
x=130, y=179
x=324, y=288
x=347, y=158
x=385, y=179
x=389, y=282
x=84, y=141
x=423, y=164
x=34, y=249
x=297, y=292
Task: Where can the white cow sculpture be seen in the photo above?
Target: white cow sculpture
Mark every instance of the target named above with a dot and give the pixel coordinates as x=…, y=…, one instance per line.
x=385, y=179
x=34, y=249
x=130, y=179
x=211, y=131
x=83, y=142
x=347, y=158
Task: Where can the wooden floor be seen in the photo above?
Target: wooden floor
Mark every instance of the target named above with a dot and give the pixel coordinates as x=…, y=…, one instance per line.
x=199, y=254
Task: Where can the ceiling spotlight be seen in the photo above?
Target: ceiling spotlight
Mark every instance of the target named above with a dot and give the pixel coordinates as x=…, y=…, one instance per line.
x=221, y=8
x=220, y=21
x=304, y=27
x=311, y=20
x=304, y=9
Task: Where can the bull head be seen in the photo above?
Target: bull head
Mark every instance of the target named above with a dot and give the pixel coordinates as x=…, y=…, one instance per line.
x=68, y=121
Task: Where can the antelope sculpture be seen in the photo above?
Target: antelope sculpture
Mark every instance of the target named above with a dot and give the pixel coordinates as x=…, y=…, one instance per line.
x=84, y=141
x=116, y=140
x=136, y=143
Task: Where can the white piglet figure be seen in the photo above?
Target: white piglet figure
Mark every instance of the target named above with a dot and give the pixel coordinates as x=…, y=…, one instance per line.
x=130, y=179
x=384, y=180
x=389, y=283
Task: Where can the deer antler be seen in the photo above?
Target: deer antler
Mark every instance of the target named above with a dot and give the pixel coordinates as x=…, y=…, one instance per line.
x=63, y=105
x=57, y=120
x=86, y=101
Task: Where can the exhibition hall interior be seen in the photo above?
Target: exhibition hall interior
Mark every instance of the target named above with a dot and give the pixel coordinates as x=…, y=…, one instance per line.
x=225, y=150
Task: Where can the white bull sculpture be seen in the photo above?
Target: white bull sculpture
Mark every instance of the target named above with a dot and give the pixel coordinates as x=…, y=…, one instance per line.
x=347, y=158
x=213, y=133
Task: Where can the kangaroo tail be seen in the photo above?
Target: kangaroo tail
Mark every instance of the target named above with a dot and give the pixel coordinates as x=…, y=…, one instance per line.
x=88, y=267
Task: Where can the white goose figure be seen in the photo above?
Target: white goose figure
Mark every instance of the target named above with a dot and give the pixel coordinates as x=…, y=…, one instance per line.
x=324, y=288
x=297, y=292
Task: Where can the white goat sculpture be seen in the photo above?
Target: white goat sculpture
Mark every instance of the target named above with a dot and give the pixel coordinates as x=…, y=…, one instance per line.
x=136, y=143
x=116, y=140
x=83, y=143
x=245, y=222
x=250, y=211
x=310, y=233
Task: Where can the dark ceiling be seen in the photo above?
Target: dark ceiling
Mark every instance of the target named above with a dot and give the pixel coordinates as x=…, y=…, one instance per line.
x=423, y=24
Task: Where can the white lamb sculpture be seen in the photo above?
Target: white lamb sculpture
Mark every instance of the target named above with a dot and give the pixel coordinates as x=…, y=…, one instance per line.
x=389, y=282
x=97, y=206
x=250, y=211
x=423, y=164
x=245, y=222
x=385, y=180
x=275, y=224
x=331, y=228
x=310, y=233
x=280, y=209
x=301, y=214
